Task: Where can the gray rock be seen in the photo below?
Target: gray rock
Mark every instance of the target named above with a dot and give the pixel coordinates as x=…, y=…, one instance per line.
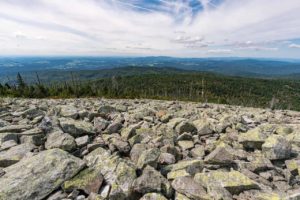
x=60, y=140
x=82, y=141
x=100, y=124
x=8, y=144
x=45, y=172
x=59, y=195
x=136, y=150
x=76, y=128
x=8, y=136
x=14, y=128
x=149, y=157
x=166, y=159
x=190, y=188
x=153, y=196
x=277, y=147
x=14, y=154
x=69, y=111
x=115, y=127
x=118, y=173
x=152, y=181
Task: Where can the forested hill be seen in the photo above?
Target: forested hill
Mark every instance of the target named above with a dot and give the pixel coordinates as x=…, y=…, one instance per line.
x=168, y=84
x=246, y=67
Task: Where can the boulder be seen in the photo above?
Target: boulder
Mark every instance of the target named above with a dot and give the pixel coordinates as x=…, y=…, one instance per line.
x=253, y=139
x=185, y=126
x=76, y=128
x=68, y=111
x=100, y=124
x=233, y=181
x=190, y=188
x=152, y=181
x=203, y=127
x=276, y=147
x=41, y=175
x=149, y=157
x=60, y=140
x=14, y=128
x=14, y=154
x=117, y=172
x=88, y=180
x=222, y=155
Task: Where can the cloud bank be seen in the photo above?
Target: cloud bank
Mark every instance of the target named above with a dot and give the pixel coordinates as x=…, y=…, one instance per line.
x=195, y=28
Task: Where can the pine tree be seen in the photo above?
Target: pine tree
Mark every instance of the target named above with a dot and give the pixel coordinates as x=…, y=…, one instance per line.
x=21, y=83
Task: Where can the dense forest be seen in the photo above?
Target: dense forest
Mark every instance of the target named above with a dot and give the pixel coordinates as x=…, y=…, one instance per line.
x=188, y=86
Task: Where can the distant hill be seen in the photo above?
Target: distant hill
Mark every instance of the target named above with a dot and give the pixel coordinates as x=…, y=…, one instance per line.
x=52, y=66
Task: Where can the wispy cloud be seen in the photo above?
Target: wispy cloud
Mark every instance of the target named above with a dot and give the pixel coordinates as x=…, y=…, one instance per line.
x=297, y=46
x=159, y=27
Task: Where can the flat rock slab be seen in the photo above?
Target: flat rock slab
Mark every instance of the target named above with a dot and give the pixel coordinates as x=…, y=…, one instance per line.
x=233, y=181
x=36, y=177
x=14, y=154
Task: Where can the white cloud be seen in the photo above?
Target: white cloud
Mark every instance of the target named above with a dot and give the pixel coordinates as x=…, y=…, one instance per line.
x=220, y=51
x=297, y=46
x=105, y=27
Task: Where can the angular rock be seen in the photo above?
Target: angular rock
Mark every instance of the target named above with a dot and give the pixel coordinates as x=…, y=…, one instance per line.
x=233, y=181
x=100, y=124
x=82, y=141
x=276, y=147
x=203, y=127
x=14, y=128
x=190, y=188
x=186, y=144
x=14, y=154
x=69, y=112
x=45, y=172
x=152, y=181
x=118, y=173
x=153, y=196
x=222, y=155
x=114, y=128
x=148, y=157
x=185, y=126
x=76, y=128
x=60, y=140
x=253, y=139
x=88, y=180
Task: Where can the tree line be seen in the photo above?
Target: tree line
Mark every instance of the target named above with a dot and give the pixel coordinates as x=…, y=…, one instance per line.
x=198, y=87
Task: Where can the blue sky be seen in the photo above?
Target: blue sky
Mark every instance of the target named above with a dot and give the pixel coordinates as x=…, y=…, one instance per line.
x=182, y=28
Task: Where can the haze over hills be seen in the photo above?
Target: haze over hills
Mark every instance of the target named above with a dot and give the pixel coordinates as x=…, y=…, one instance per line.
x=247, y=67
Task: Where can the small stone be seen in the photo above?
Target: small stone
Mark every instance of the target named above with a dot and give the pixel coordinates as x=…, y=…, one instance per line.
x=166, y=159
x=114, y=128
x=153, y=196
x=186, y=144
x=82, y=141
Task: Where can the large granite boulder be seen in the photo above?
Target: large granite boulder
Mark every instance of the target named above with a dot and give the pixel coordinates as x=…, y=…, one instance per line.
x=36, y=177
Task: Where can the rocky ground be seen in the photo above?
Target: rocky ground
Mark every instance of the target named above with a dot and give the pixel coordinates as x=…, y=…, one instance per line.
x=146, y=150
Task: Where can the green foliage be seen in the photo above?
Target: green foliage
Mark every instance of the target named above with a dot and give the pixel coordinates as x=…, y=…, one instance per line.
x=192, y=86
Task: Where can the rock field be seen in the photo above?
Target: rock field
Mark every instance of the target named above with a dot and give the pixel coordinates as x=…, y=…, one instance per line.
x=96, y=149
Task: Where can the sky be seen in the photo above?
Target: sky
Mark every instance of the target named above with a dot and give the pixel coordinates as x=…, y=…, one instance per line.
x=179, y=28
